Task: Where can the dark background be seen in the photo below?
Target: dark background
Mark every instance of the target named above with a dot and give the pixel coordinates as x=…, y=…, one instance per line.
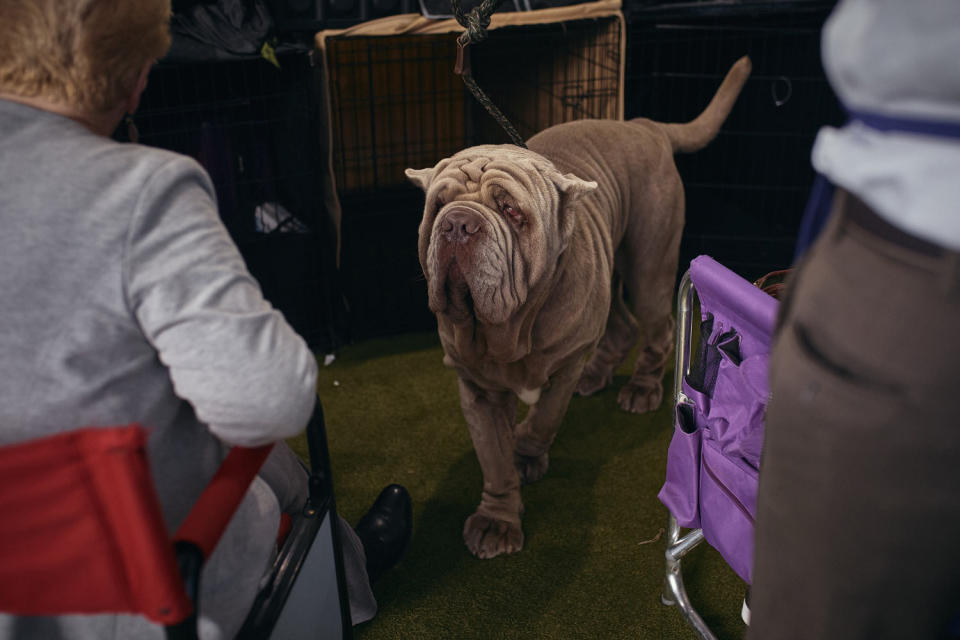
x=259, y=131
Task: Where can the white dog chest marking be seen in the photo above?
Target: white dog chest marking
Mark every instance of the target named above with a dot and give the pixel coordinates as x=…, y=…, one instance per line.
x=529, y=396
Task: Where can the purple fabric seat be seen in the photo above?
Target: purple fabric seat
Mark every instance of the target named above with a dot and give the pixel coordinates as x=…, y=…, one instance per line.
x=714, y=456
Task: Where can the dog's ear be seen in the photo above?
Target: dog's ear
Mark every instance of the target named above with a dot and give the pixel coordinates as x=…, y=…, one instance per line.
x=571, y=189
x=421, y=177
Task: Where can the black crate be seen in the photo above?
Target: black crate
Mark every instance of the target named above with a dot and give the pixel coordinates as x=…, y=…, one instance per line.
x=314, y=15
x=747, y=190
x=257, y=130
x=380, y=268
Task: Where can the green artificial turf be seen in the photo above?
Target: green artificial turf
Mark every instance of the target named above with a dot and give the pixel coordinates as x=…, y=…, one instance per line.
x=393, y=415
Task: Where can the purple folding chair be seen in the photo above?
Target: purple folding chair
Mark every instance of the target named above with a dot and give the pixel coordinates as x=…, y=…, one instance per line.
x=720, y=399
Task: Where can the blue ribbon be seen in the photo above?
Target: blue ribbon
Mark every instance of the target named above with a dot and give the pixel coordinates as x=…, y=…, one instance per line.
x=815, y=214
x=817, y=211
x=938, y=128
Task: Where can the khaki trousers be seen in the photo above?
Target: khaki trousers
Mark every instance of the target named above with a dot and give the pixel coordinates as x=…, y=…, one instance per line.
x=858, y=520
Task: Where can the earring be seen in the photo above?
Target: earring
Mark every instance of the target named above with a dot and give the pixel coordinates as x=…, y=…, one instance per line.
x=132, y=134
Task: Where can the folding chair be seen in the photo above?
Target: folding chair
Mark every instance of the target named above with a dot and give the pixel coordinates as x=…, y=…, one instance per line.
x=720, y=399
x=81, y=532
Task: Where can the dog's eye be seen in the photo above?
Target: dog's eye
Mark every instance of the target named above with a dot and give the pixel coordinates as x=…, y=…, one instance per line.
x=514, y=215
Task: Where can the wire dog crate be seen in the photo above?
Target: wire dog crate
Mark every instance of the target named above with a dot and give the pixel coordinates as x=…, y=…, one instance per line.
x=254, y=128
x=394, y=103
x=547, y=74
x=747, y=190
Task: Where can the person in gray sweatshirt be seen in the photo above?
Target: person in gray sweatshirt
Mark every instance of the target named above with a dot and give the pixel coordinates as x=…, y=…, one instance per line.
x=125, y=300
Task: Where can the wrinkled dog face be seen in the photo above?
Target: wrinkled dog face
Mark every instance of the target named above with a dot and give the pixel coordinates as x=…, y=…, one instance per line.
x=496, y=218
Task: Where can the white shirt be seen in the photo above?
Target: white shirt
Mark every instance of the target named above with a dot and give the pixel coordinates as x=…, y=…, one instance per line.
x=899, y=59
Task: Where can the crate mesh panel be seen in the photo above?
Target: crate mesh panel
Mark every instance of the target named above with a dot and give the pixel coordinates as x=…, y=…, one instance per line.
x=746, y=191
x=396, y=102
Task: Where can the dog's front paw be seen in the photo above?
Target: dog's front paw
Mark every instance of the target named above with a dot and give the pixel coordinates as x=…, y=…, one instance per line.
x=531, y=468
x=488, y=537
x=638, y=398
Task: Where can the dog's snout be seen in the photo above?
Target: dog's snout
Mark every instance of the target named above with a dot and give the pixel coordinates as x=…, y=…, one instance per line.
x=460, y=225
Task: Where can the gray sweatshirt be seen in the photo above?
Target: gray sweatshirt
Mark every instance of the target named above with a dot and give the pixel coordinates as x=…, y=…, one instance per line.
x=123, y=299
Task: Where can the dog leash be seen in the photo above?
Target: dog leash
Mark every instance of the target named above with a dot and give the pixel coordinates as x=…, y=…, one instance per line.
x=476, y=23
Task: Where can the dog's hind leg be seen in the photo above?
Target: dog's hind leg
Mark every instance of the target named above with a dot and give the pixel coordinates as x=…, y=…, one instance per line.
x=620, y=335
x=644, y=390
x=649, y=273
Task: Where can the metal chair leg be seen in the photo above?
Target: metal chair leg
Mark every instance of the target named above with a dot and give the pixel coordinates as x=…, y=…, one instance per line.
x=674, y=592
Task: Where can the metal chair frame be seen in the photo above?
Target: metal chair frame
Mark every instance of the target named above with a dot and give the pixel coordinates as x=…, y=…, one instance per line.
x=674, y=592
x=290, y=560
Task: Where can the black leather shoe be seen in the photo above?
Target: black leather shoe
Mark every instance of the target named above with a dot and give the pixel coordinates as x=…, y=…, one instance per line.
x=385, y=529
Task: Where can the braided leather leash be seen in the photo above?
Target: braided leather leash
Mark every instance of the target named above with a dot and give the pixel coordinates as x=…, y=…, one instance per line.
x=476, y=22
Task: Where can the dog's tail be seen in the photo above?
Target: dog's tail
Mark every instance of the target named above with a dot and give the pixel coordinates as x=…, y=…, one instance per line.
x=694, y=135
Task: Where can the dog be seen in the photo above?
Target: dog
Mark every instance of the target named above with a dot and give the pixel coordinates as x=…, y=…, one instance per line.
x=545, y=266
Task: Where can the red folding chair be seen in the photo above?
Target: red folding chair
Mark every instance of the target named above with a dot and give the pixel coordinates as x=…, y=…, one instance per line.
x=81, y=532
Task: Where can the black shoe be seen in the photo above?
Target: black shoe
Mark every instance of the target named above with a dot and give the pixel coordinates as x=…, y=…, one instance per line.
x=385, y=529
